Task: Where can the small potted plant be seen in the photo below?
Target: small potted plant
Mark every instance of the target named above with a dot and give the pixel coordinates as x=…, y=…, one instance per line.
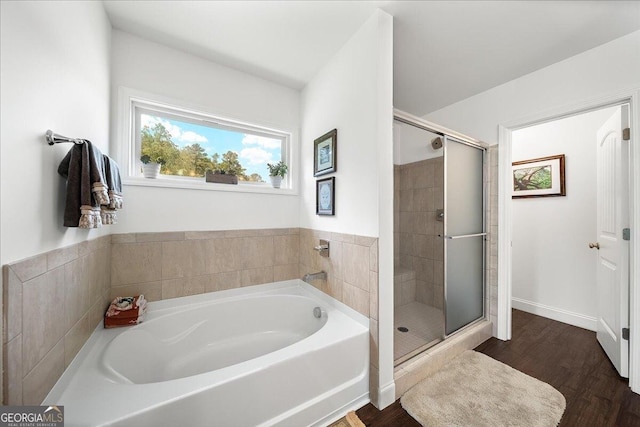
x=151, y=168
x=277, y=172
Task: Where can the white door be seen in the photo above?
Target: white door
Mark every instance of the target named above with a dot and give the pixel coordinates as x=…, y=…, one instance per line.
x=613, y=251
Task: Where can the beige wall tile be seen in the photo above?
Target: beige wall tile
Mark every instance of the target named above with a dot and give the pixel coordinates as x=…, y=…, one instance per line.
x=77, y=289
x=197, y=285
x=12, y=302
x=424, y=292
x=75, y=338
x=408, y=291
x=332, y=287
x=61, y=256
x=257, y=276
x=355, y=298
x=286, y=249
x=97, y=310
x=29, y=268
x=159, y=237
x=364, y=240
x=42, y=378
x=88, y=246
x=373, y=294
x=373, y=256
x=184, y=258
x=422, y=199
x=226, y=255
x=374, y=377
x=373, y=342
x=285, y=272
x=184, y=286
x=336, y=237
x=257, y=252
x=152, y=291
x=203, y=235
x=355, y=266
x=173, y=288
x=136, y=263
x=123, y=238
x=228, y=280
x=12, y=381
x=406, y=201
x=43, y=316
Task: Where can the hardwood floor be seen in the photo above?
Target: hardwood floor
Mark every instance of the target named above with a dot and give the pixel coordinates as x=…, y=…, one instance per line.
x=568, y=358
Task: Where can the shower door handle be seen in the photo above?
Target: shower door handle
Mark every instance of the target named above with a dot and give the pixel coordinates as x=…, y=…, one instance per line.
x=461, y=236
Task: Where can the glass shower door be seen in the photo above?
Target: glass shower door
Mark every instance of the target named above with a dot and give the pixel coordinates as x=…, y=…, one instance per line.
x=464, y=234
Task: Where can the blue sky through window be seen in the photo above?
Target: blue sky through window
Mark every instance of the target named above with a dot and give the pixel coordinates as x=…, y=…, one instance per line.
x=254, y=151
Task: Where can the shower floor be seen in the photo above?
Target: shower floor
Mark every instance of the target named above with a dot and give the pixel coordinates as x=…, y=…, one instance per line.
x=425, y=324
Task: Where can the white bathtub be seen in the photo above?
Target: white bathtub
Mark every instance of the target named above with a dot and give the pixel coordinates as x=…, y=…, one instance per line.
x=254, y=356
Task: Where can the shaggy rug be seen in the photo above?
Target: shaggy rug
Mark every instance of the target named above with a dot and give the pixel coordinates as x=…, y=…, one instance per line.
x=476, y=390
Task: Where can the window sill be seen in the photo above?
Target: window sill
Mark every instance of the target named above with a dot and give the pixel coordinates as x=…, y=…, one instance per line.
x=208, y=186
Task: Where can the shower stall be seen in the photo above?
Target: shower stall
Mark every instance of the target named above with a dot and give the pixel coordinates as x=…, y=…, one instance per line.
x=439, y=234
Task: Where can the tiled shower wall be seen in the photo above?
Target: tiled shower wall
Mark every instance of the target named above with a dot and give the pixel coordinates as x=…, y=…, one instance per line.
x=62, y=295
x=418, y=251
x=52, y=303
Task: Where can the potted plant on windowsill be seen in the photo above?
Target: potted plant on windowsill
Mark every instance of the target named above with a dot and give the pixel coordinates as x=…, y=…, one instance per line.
x=151, y=167
x=277, y=172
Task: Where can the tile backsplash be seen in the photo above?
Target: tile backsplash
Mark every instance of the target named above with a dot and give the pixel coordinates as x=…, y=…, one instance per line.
x=54, y=301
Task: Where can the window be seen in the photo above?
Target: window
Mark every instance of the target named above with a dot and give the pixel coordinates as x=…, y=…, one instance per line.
x=189, y=143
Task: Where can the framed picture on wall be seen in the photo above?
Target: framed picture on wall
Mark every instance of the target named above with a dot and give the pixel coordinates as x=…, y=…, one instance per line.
x=542, y=177
x=324, y=153
x=325, y=196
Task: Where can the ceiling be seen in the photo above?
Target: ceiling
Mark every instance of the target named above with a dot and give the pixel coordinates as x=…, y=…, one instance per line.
x=444, y=51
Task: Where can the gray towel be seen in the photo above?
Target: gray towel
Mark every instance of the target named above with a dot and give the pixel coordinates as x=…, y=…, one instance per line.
x=112, y=176
x=83, y=166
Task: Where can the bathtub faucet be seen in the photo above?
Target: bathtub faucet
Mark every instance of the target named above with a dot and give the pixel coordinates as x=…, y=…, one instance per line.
x=315, y=276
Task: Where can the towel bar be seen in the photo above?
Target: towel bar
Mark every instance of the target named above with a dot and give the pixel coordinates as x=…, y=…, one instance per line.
x=54, y=138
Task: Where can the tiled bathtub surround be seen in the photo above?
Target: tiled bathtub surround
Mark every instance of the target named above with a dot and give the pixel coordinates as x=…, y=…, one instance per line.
x=170, y=265
x=52, y=303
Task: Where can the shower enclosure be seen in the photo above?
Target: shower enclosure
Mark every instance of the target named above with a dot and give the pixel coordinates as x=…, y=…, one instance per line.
x=439, y=235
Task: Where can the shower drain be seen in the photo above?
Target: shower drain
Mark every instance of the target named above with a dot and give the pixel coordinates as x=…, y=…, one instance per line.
x=403, y=329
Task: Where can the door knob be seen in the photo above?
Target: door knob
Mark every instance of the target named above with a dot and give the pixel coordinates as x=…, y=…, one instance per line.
x=594, y=245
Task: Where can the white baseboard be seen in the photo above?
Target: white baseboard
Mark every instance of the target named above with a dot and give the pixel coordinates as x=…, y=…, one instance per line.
x=386, y=395
x=564, y=316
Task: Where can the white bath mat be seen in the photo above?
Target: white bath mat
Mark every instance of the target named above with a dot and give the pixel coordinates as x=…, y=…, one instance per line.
x=476, y=390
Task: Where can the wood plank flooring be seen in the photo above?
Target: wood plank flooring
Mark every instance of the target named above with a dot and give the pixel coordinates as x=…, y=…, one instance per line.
x=567, y=357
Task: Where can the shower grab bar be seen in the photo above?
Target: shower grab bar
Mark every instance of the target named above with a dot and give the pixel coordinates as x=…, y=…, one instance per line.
x=54, y=138
x=462, y=236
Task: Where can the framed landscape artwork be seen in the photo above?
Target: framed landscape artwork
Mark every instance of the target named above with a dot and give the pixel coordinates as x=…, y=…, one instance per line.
x=543, y=177
x=324, y=153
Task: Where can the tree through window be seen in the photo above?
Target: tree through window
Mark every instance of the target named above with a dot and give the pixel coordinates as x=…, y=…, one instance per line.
x=189, y=149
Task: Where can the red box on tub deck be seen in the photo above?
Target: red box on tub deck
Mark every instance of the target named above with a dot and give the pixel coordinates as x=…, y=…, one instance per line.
x=125, y=311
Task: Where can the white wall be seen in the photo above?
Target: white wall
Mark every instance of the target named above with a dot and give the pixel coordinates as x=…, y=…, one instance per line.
x=597, y=72
x=412, y=144
x=354, y=94
x=150, y=67
x=55, y=75
x=554, y=271
x=344, y=95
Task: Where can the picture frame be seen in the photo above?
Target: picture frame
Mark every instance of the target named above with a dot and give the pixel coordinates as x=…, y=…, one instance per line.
x=541, y=177
x=326, y=196
x=325, y=153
